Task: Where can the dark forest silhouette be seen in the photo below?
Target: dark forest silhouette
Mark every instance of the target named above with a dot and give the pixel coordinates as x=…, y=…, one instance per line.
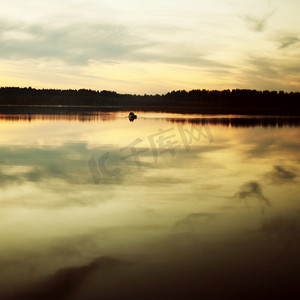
x=214, y=101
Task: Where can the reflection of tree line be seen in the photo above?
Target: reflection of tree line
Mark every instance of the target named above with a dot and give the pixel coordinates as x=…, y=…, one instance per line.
x=59, y=117
x=231, y=100
x=242, y=122
x=224, y=121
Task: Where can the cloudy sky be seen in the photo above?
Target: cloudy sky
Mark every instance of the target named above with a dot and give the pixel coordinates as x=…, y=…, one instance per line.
x=156, y=46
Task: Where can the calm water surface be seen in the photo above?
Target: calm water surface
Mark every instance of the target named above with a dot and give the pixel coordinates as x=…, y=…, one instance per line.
x=168, y=206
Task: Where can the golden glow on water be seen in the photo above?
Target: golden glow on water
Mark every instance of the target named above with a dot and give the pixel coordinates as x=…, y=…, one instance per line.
x=188, y=211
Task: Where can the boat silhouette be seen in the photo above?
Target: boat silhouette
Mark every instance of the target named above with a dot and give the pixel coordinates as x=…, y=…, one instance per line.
x=132, y=116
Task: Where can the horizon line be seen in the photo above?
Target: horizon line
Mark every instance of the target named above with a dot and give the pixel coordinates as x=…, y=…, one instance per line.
x=145, y=94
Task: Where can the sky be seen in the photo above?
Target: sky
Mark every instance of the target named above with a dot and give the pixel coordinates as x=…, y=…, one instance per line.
x=139, y=46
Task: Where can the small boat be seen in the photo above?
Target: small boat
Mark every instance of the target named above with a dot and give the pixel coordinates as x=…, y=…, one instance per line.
x=132, y=116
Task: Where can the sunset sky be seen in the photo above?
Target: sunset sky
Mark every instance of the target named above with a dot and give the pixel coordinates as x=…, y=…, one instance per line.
x=138, y=46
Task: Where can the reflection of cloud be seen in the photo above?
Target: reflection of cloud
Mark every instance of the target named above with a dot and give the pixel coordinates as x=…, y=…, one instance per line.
x=285, y=229
x=58, y=173
x=191, y=221
x=262, y=147
x=67, y=281
x=252, y=189
x=62, y=175
x=160, y=180
x=42, y=163
x=281, y=175
x=8, y=179
x=270, y=144
x=278, y=224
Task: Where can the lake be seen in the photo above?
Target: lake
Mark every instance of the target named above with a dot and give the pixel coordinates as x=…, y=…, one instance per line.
x=168, y=206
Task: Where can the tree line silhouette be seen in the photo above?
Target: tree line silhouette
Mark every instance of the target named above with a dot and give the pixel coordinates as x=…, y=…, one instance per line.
x=226, y=100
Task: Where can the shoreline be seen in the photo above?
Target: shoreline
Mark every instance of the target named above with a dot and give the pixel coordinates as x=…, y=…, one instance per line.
x=205, y=110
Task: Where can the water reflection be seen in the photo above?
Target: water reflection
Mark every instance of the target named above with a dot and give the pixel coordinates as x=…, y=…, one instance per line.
x=109, y=114
x=221, y=220
x=100, y=116
x=244, y=121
